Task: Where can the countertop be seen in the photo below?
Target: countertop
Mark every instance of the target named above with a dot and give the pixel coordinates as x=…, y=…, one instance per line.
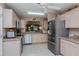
x=34, y=33
x=18, y=38
x=71, y=39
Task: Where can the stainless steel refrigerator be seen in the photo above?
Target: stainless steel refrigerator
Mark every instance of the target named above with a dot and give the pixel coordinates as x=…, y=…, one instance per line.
x=56, y=30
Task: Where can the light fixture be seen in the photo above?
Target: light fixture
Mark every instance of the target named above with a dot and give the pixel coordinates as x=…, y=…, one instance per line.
x=35, y=13
x=54, y=7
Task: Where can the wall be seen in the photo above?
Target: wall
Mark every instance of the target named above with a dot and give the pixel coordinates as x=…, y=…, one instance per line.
x=43, y=21
x=31, y=18
x=42, y=37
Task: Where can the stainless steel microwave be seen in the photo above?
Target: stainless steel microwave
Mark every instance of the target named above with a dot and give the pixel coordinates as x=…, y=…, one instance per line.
x=10, y=34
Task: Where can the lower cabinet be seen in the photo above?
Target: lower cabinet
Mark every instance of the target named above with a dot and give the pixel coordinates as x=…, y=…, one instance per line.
x=63, y=47
x=39, y=38
x=68, y=48
x=12, y=48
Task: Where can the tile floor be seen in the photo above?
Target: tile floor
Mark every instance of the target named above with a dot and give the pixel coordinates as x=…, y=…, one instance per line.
x=36, y=50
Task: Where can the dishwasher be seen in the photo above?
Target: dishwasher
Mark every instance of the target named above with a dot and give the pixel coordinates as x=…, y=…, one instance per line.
x=27, y=39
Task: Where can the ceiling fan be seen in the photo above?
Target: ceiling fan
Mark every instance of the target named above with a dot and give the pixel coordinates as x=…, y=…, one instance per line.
x=43, y=6
x=48, y=7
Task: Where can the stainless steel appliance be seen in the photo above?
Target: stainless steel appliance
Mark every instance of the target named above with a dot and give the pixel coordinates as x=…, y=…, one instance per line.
x=27, y=39
x=56, y=30
x=10, y=33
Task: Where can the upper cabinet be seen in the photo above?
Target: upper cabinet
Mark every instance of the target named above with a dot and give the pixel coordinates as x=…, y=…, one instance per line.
x=9, y=18
x=0, y=10
x=72, y=18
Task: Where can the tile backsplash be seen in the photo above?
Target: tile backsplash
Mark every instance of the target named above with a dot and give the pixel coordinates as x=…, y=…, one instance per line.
x=74, y=31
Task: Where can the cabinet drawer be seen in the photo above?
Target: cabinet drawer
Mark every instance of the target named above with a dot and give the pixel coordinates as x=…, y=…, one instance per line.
x=11, y=48
x=68, y=48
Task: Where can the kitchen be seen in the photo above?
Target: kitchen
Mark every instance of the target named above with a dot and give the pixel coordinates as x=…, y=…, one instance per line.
x=55, y=29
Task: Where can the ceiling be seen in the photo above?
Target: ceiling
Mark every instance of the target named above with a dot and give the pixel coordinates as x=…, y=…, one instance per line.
x=22, y=8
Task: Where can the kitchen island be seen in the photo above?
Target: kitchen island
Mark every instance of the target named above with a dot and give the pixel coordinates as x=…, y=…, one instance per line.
x=38, y=37
x=12, y=46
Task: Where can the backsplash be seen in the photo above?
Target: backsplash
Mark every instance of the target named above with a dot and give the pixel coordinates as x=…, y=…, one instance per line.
x=74, y=31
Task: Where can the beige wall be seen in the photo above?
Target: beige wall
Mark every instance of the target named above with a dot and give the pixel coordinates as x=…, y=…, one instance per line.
x=37, y=19
x=43, y=22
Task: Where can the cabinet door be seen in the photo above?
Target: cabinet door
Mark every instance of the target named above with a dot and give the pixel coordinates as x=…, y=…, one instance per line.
x=7, y=18
x=36, y=38
x=72, y=49
x=11, y=48
x=14, y=19
x=1, y=9
x=1, y=22
x=44, y=38
x=67, y=21
x=1, y=31
x=63, y=47
x=72, y=21
x=68, y=48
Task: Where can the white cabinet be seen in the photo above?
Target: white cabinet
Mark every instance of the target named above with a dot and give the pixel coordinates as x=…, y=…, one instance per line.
x=72, y=18
x=12, y=48
x=1, y=31
x=1, y=36
x=62, y=47
x=68, y=48
x=36, y=38
x=1, y=21
x=9, y=18
x=44, y=38
x=39, y=38
x=1, y=46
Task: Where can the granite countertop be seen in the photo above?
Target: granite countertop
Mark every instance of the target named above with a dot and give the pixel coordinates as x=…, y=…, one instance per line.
x=71, y=39
x=12, y=39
